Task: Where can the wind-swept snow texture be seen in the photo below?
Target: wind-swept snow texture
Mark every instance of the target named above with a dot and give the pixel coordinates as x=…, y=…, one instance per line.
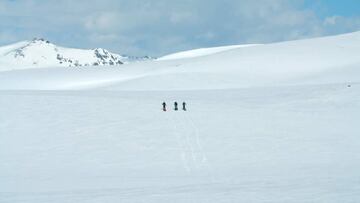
x=269, y=123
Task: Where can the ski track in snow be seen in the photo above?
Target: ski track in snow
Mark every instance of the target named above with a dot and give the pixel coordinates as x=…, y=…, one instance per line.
x=191, y=137
x=197, y=137
x=201, y=158
x=179, y=137
x=187, y=135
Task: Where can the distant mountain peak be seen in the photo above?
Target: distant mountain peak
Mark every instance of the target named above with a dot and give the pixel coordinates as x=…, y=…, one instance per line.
x=40, y=40
x=40, y=52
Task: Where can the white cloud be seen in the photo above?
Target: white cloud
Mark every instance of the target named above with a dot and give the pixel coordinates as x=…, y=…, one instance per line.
x=103, y=21
x=339, y=24
x=103, y=38
x=352, y=22
x=331, y=20
x=182, y=17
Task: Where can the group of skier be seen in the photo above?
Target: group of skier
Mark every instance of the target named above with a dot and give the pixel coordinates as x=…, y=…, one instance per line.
x=175, y=106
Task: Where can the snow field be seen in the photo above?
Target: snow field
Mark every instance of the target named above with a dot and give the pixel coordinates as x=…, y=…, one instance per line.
x=270, y=123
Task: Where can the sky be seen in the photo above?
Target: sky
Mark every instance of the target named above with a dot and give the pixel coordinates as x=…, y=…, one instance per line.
x=159, y=27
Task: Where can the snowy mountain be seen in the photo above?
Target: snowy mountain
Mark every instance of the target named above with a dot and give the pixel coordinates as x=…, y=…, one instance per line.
x=270, y=123
x=42, y=53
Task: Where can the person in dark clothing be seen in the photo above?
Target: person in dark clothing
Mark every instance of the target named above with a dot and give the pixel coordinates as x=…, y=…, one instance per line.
x=164, y=106
x=176, y=106
x=184, y=106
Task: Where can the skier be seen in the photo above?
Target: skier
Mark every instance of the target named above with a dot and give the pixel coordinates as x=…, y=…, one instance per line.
x=184, y=106
x=176, y=106
x=164, y=106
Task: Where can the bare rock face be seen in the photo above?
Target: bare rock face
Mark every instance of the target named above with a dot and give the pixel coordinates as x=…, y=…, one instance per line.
x=106, y=58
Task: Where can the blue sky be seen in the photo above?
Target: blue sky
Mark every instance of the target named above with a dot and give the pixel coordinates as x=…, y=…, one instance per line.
x=148, y=27
x=346, y=8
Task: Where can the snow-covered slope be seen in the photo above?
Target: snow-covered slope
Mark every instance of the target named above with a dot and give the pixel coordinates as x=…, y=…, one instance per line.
x=202, y=52
x=314, y=61
x=271, y=123
x=41, y=53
